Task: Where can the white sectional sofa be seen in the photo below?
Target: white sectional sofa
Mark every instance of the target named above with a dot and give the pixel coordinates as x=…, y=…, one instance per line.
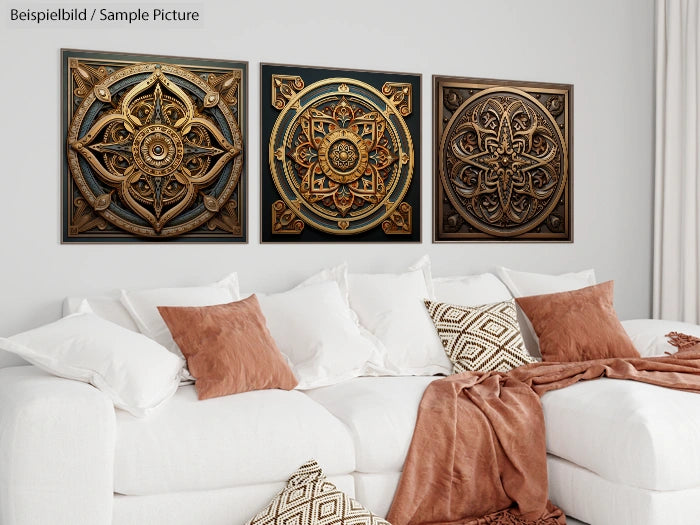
x=620, y=452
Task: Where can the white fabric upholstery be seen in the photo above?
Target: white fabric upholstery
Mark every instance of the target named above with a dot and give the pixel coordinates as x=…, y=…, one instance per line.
x=380, y=413
x=232, y=506
x=243, y=439
x=56, y=450
x=627, y=432
x=649, y=335
x=592, y=499
x=376, y=491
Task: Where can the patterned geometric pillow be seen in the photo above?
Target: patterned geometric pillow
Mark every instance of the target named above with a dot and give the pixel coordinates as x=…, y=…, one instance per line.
x=480, y=338
x=310, y=499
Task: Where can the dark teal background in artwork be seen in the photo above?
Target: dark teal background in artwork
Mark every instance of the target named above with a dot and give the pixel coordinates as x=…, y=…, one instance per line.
x=268, y=117
x=195, y=64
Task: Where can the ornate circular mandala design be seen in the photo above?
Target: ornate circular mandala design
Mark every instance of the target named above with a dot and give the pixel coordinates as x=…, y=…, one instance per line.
x=157, y=150
x=154, y=150
x=341, y=156
x=503, y=161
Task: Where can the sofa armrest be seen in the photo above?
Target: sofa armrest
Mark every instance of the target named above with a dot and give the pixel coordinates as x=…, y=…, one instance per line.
x=57, y=441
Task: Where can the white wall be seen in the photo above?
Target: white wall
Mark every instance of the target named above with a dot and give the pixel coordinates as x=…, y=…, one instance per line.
x=603, y=47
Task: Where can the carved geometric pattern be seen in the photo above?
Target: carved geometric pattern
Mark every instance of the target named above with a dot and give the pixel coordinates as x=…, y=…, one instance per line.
x=154, y=148
x=310, y=499
x=503, y=160
x=401, y=95
x=284, y=220
x=399, y=222
x=480, y=338
x=284, y=88
x=341, y=156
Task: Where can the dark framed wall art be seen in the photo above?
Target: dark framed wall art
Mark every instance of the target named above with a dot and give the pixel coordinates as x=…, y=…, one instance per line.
x=154, y=148
x=340, y=156
x=502, y=160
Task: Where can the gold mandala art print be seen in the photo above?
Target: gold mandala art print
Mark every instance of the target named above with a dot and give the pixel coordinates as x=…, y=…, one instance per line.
x=154, y=148
x=503, y=166
x=341, y=159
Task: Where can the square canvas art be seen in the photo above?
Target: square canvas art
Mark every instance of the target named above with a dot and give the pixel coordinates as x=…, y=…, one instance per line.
x=153, y=148
x=340, y=155
x=503, y=161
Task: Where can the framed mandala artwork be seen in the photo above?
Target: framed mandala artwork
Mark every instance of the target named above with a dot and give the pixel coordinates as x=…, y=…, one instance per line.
x=503, y=160
x=153, y=148
x=340, y=155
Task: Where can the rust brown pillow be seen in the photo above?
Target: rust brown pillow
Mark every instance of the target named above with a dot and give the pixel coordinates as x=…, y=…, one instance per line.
x=579, y=325
x=228, y=348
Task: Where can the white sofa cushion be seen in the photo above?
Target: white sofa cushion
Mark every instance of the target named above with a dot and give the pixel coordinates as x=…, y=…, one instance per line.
x=242, y=439
x=376, y=491
x=649, y=335
x=380, y=413
x=627, y=432
x=232, y=506
x=592, y=499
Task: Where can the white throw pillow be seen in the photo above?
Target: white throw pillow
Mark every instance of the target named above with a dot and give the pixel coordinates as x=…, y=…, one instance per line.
x=8, y=359
x=143, y=305
x=649, y=335
x=315, y=329
x=136, y=373
x=338, y=273
x=523, y=284
x=470, y=290
x=106, y=306
x=391, y=307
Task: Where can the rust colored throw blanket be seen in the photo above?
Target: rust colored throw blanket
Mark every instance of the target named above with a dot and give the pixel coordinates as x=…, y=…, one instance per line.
x=478, y=452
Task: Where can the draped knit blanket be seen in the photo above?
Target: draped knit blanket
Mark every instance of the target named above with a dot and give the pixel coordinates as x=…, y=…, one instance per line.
x=478, y=452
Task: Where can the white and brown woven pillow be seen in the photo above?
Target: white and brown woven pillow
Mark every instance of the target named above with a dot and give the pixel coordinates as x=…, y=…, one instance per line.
x=480, y=338
x=310, y=499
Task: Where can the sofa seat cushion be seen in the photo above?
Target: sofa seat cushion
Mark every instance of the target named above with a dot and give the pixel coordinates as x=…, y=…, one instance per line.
x=380, y=413
x=242, y=439
x=627, y=432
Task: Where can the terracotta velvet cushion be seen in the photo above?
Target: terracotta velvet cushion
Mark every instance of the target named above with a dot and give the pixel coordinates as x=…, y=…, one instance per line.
x=579, y=325
x=228, y=348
